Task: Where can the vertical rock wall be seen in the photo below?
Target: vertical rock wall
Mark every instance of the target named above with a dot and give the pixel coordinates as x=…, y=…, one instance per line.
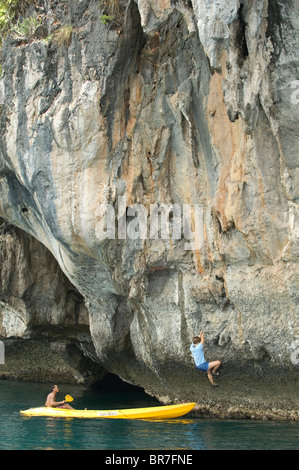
x=174, y=103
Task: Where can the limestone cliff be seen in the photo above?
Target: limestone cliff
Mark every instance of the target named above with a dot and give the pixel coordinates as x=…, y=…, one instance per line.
x=172, y=102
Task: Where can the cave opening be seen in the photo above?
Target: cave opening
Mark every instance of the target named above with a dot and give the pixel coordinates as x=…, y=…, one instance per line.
x=118, y=391
x=113, y=382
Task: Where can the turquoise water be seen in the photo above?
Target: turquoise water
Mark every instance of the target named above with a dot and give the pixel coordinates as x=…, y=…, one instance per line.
x=23, y=433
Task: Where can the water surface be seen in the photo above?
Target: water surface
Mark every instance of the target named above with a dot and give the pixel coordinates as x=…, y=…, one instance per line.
x=24, y=433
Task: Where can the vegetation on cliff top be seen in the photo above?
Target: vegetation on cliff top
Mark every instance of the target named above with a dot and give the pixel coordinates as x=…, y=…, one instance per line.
x=10, y=11
x=12, y=19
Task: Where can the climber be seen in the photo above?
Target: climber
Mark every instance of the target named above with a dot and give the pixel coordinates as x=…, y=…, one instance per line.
x=211, y=368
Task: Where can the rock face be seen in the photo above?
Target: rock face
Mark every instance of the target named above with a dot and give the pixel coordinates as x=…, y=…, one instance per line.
x=176, y=103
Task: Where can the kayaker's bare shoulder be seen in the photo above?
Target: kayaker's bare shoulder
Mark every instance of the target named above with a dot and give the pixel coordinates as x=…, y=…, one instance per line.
x=50, y=399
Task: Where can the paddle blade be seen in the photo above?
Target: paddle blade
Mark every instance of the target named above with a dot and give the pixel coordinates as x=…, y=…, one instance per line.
x=68, y=398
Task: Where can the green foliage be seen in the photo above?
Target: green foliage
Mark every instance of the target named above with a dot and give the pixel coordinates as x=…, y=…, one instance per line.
x=9, y=10
x=6, y=12
x=47, y=39
x=25, y=29
x=111, y=11
x=105, y=19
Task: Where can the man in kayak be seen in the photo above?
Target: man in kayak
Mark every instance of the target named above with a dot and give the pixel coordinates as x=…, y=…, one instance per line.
x=50, y=402
x=196, y=349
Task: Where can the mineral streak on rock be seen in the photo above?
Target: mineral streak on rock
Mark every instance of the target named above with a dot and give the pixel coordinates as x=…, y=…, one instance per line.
x=173, y=102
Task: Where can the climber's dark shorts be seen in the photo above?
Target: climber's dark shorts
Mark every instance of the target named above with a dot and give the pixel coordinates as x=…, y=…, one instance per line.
x=203, y=366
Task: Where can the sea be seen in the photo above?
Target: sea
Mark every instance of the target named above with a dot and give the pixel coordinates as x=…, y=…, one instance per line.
x=170, y=436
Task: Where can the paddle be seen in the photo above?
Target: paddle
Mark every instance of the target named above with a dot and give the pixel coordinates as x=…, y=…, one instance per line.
x=68, y=398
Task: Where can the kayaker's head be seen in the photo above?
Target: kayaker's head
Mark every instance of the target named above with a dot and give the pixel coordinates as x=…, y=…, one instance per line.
x=54, y=388
x=196, y=340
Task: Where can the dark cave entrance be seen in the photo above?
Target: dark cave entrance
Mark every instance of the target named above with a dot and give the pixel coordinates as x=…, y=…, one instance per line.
x=113, y=382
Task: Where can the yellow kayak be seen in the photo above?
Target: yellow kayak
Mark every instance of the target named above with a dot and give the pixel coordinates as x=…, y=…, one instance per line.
x=154, y=412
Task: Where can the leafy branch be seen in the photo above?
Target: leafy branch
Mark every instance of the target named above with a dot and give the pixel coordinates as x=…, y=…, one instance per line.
x=24, y=30
x=105, y=19
x=9, y=10
x=112, y=11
